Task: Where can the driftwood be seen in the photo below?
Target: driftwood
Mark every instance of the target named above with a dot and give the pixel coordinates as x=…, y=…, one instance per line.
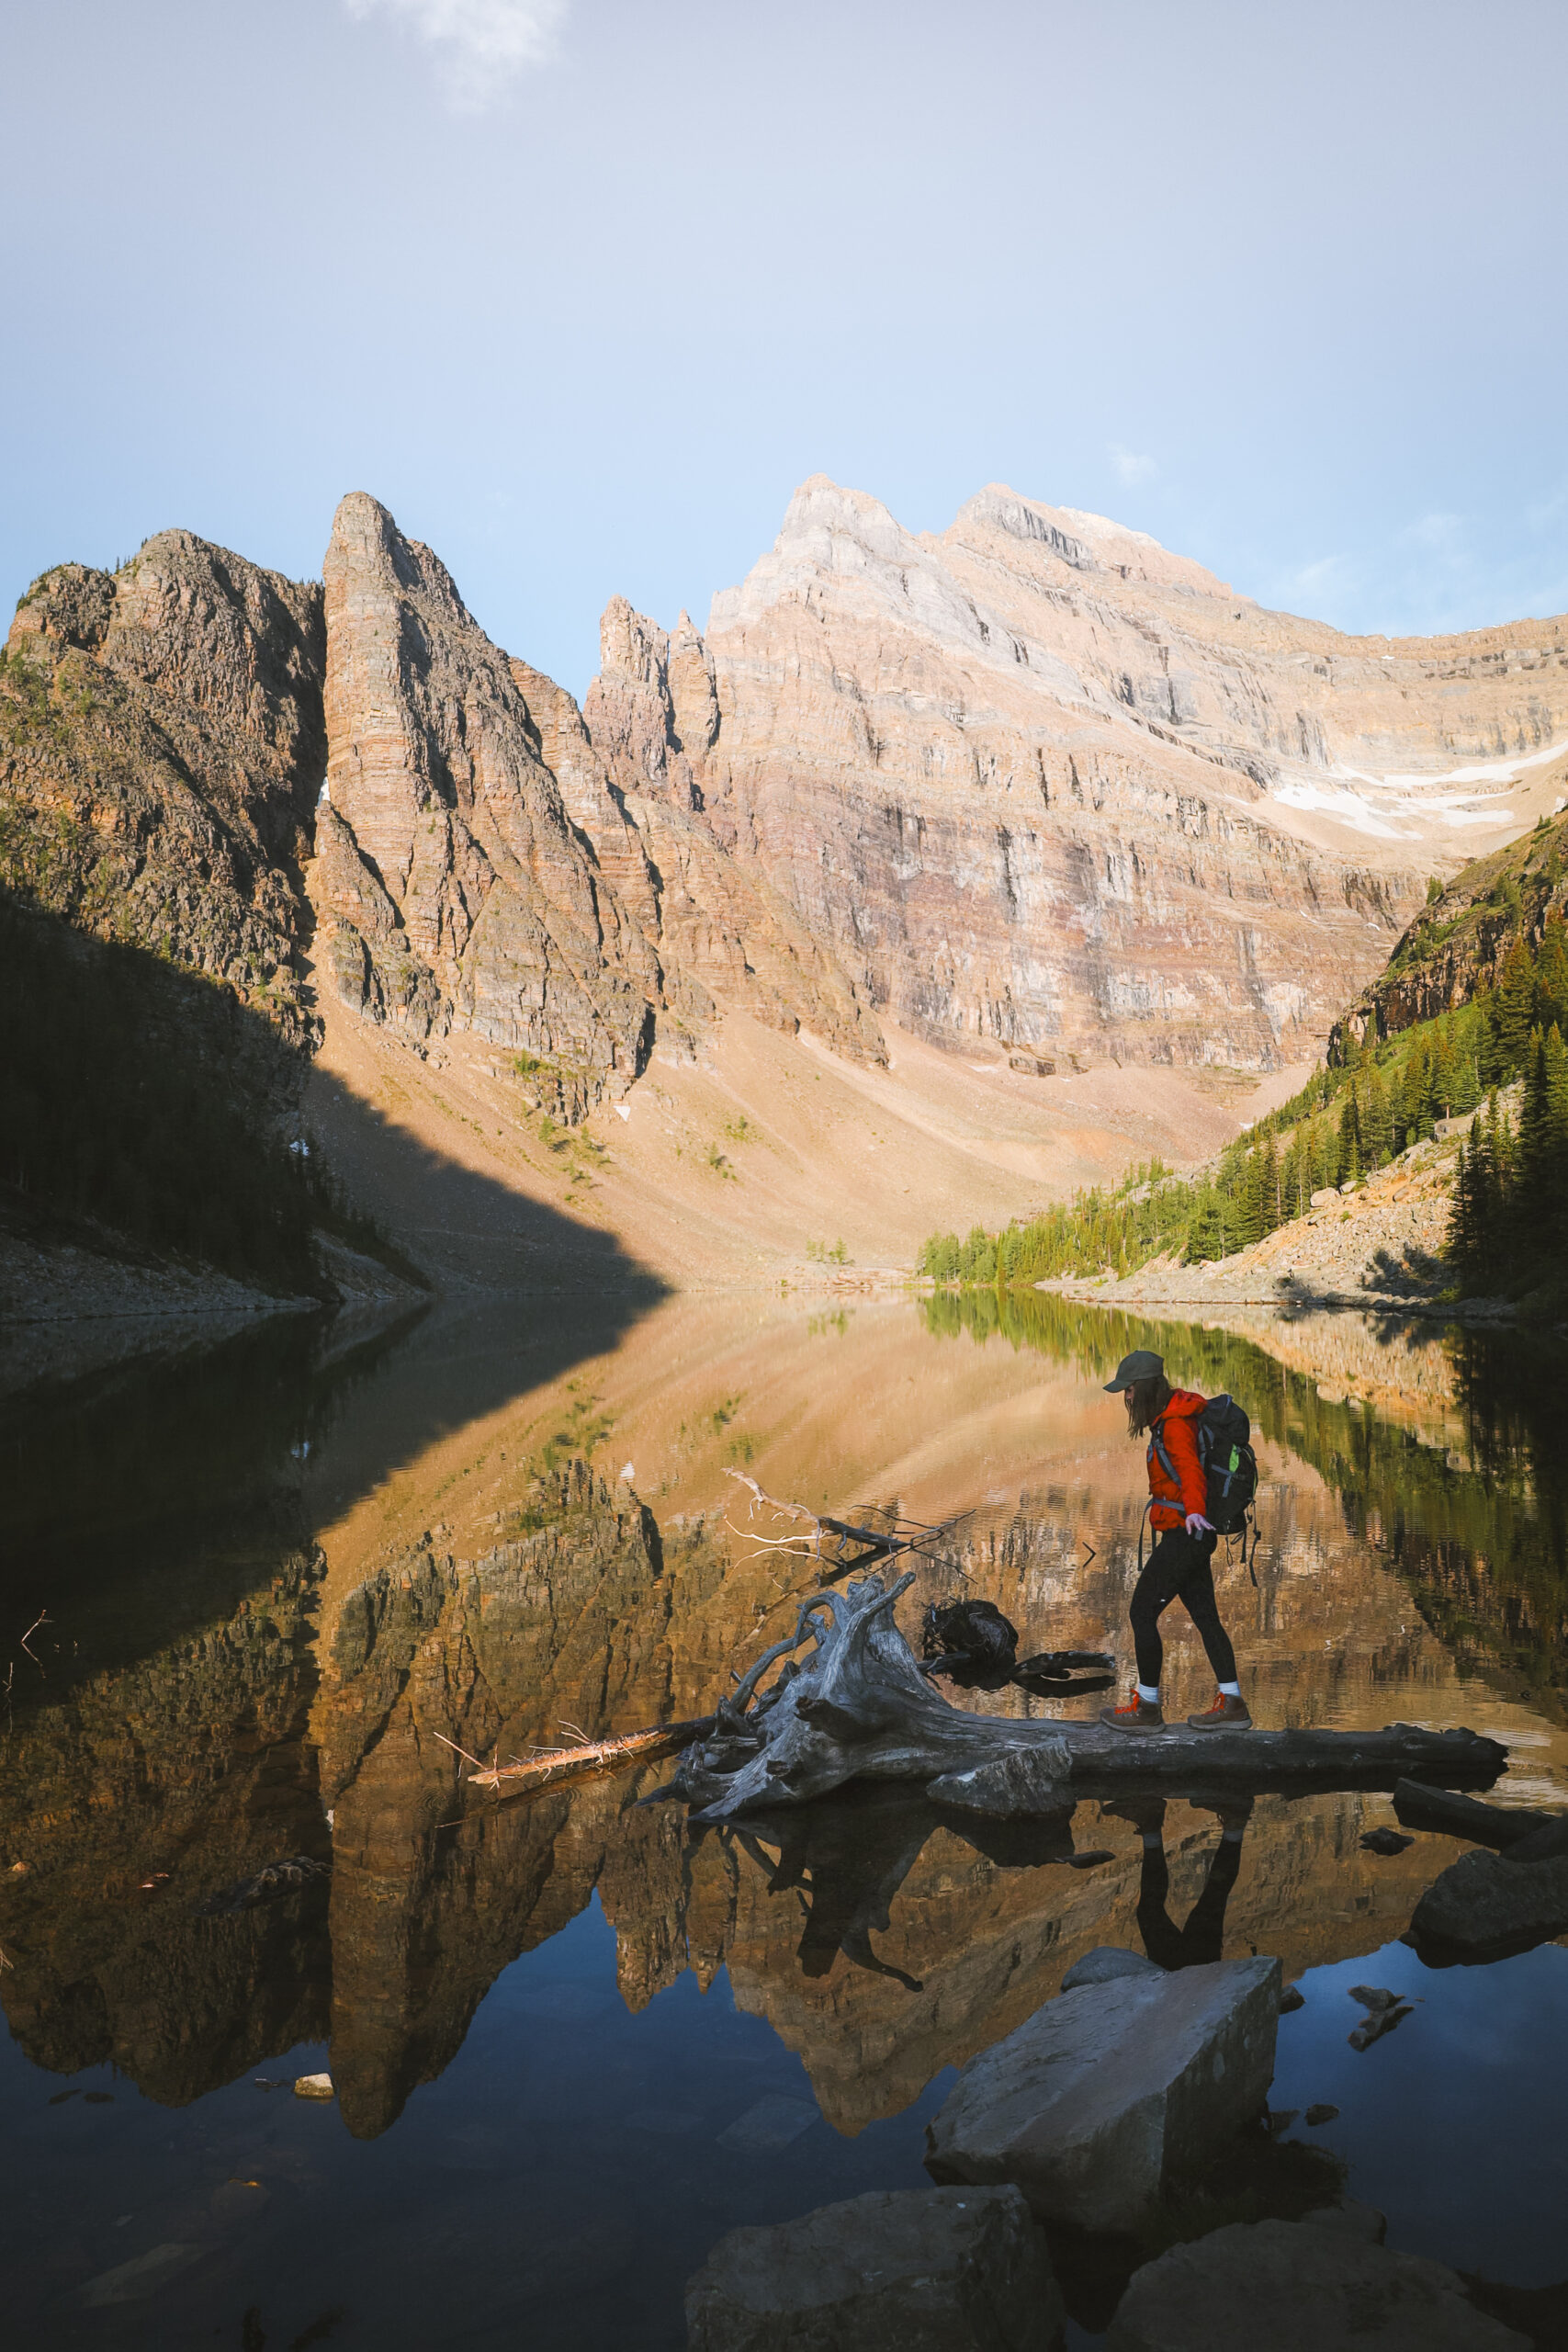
x=586, y=1761
x=1421, y=1807
x=857, y=1706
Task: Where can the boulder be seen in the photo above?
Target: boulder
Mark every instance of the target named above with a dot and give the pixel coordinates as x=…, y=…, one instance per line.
x=1299, y=2288
x=1363, y=2222
x=1485, y=1904
x=1113, y=2096
x=1105, y=1964
x=904, y=2270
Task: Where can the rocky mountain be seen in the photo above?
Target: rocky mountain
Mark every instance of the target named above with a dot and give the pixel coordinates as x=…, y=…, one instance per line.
x=1039, y=781
x=162, y=738
x=1034, y=782
x=161, y=741
x=1456, y=945
x=459, y=888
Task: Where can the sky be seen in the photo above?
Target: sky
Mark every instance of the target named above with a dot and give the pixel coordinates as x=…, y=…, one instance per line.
x=582, y=289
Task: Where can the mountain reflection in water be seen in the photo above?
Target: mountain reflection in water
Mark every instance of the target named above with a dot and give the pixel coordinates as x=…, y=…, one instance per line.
x=279, y=1580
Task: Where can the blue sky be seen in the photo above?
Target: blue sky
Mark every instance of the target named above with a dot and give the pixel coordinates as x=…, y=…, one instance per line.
x=582, y=288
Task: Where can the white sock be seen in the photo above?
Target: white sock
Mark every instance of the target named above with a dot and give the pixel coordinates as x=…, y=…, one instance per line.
x=1149, y=1697
x=1152, y=1837
x=1230, y=1689
x=1232, y=1836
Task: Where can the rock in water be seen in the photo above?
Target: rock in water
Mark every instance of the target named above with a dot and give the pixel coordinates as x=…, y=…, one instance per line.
x=1291, y=2287
x=1105, y=1964
x=1486, y=1903
x=1112, y=2096
x=909, y=2270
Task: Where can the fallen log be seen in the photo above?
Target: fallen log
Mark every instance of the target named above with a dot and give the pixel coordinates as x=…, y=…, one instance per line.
x=857, y=1706
x=588, y=1762
x=1420, y=1806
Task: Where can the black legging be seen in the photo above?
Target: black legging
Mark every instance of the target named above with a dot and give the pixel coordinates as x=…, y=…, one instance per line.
x=1202, y=1939
x=1178, y=1565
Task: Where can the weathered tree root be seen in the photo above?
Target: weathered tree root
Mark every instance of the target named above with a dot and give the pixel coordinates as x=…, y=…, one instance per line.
x=858, y=1707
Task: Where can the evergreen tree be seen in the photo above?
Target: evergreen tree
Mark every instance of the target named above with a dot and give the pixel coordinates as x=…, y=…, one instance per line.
x=1349, y=1140
x=1551, y=975
x=1327, y=1153
x=1513, y=1010
x=1268, y=1189
x=1442, y=1086
x=1540, y=1187
x=1377, y=1121
x=1472, y=1218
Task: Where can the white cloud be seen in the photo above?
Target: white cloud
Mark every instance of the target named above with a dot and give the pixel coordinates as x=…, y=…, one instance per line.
x=1129, y=466
x=485, y=43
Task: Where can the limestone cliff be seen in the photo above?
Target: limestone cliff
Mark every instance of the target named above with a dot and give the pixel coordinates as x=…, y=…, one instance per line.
x=1041, y=780
x=726, y=937
x=477, y=867
x=453, y=884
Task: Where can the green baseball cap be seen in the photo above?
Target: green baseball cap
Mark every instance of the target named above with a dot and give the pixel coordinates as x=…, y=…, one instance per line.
x=1142, y=1364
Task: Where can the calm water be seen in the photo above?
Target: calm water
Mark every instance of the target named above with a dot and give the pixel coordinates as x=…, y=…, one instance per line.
x=570, y=2044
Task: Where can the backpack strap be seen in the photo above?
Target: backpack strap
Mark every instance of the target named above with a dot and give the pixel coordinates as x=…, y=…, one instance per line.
x=1167, y=1464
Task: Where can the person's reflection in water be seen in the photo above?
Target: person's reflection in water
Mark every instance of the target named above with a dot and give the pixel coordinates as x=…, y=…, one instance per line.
x=1202, y=1939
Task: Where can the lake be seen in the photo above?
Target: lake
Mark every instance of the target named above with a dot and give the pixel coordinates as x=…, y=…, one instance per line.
x=573, y=2042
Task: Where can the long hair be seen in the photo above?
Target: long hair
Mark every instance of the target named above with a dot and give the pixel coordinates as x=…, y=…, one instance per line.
x=1146, y=1400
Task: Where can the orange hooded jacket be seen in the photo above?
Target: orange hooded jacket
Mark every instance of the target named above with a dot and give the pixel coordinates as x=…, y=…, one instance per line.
x=1188, y=1491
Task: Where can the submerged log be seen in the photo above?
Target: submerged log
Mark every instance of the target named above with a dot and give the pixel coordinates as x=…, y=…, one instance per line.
x=857, y=1706
x=587, y=1761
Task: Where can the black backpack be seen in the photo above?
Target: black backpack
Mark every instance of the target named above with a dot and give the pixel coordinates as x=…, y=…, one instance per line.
x=974, y=1632
x=1230, y=1466
x=1228, y=1463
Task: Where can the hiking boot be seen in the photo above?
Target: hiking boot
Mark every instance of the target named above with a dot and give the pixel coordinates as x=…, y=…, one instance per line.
x=1137, y=1714
x=1226, y=1714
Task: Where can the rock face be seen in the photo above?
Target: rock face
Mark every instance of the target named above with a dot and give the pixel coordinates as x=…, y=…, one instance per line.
x=1484, y=1904
x=1457, y=943
x=1111, y=2097
x=1299, y=2289
x=479, y=867
x=161, y=741
x=1041, y=780
x=917, y=2270
x=455, y=886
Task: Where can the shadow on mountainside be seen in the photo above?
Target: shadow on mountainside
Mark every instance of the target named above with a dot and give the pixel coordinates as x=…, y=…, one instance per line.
x=466, y=1231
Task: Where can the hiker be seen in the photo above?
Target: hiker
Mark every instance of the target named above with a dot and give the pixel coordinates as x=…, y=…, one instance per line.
x=1184, y=1548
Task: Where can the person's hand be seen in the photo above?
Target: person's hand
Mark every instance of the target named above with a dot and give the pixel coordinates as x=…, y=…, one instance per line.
x=1197, y=1525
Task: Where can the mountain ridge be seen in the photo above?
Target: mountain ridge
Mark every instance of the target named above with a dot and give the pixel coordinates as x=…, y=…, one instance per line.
x=1023, y=785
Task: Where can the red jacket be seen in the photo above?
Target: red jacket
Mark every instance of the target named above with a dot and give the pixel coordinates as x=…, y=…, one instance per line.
x=1188, y=1491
